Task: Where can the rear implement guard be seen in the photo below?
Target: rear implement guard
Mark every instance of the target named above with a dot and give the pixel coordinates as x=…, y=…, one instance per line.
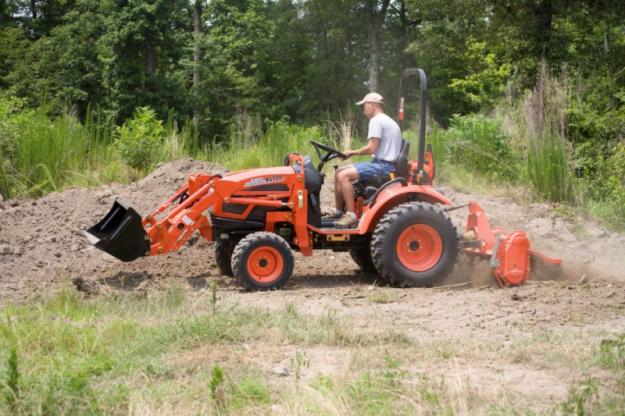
x=509, y=254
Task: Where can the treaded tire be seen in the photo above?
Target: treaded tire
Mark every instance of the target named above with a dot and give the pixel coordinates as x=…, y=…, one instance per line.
x=262, y=261
x=396, y=243
x=223, y=255
x=362, y=257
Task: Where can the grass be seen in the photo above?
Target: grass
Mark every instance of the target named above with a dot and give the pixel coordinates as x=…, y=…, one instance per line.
x=87, y=356
x=179, y=352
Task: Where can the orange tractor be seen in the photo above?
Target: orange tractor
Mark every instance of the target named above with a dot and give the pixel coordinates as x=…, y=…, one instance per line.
x=257, y=218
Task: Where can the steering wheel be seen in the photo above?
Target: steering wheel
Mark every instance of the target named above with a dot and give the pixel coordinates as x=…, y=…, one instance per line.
x=330, y=153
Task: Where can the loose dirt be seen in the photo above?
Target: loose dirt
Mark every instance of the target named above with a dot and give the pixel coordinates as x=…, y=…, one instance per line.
x=42, y=248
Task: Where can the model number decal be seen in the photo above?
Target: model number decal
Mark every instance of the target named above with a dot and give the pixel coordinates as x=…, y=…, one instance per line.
x=260, y=181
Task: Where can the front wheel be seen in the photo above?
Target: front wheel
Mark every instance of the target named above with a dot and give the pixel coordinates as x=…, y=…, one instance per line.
x=223, y=255
x=414, y=244
x=362, y=257
x=262, y=261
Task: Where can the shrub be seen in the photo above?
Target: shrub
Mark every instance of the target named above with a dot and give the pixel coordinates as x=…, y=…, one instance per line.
x=140, y=138
x=478, y=144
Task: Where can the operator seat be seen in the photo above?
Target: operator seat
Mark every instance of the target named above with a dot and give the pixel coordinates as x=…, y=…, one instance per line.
x=401, y=163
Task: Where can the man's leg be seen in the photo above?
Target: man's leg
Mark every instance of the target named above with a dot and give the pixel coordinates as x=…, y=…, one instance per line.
x=339, y=202
x=346, y=188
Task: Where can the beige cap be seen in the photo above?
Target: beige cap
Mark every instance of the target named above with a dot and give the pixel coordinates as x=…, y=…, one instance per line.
x=372, y=97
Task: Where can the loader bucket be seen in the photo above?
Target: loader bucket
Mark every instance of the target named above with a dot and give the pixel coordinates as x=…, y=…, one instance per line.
x=120, y=233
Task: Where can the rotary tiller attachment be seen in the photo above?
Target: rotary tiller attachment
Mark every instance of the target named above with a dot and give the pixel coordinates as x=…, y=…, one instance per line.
x=509, y=254
x=120, y=233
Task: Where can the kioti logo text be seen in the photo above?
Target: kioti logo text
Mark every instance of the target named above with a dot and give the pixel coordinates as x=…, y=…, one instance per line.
x=260, y=181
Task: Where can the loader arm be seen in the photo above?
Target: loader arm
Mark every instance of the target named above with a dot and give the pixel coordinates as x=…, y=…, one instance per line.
x=185, y=216
x=123, y=234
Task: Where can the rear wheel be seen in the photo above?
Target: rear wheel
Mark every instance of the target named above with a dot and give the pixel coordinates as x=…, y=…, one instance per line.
x=262, y=261
x=362, y=257
x=414, y=244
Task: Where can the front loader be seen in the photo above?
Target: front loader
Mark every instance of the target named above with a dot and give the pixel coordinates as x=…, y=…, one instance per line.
x=258, y=217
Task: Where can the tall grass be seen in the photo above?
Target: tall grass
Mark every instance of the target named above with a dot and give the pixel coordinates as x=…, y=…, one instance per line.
x=265, y=149
x=542, y=127
x=42, y=154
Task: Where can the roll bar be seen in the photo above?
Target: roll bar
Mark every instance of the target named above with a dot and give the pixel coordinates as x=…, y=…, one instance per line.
x=423, y=84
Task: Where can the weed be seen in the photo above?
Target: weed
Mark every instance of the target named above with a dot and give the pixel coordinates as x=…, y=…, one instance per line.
x=216, y=388
x=299, y=362
x=580, y=398
x=383, y=297
x=214, y=297
x=12, y=389
x=249, y=391
x=612, y=353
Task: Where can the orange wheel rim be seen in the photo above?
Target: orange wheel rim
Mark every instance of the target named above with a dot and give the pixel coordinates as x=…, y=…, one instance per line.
x=265, y=264
x=419, y=247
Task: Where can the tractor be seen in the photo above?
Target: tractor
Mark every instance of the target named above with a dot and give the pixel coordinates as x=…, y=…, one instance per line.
x=258, y=217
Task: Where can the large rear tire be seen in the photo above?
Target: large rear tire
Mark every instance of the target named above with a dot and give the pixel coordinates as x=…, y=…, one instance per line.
x=262, y=261
x=414, y=244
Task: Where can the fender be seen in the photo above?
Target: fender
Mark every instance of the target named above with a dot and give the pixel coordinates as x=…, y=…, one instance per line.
x=395, y=195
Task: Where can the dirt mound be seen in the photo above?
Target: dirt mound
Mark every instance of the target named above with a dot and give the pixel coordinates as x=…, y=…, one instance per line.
x=42, y=241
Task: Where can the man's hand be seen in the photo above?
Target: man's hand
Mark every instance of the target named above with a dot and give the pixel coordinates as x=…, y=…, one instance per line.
x=369, y=149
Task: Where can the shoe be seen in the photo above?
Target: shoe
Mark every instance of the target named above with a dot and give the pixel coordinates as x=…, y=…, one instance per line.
x=348, y=220
x=335, y=214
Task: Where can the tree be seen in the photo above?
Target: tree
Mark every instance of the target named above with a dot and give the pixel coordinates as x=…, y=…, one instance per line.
x=144, y=47
x=375, y=20
x=63, y=66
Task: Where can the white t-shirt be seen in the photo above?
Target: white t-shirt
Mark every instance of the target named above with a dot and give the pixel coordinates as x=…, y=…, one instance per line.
x=384, y=128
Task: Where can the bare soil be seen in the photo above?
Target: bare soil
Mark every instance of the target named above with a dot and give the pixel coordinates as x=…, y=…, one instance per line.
x=42, y=248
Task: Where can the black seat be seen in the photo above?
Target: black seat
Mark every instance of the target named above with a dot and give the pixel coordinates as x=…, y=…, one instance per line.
x=401, y=163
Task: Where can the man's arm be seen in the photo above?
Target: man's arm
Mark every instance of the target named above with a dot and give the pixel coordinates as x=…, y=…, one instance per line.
x=369, y=149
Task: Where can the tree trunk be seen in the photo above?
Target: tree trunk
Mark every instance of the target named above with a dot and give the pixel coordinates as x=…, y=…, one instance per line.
x=150, y=58
x=197, y=13
x=33, y=9
x=375, y=22
x=543, y=16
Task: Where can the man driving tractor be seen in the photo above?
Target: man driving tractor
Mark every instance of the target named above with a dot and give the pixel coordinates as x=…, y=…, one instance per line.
x=383, y=142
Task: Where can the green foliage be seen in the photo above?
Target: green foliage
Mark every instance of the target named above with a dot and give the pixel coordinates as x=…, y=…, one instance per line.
x=11, y=384
x=612, y=354
x=40, y=154
x=217, y=379
x=548, y=168
x=478, y=144
x=485, y=79
x=139, y=139
x=274, y=144
x=581, y=398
